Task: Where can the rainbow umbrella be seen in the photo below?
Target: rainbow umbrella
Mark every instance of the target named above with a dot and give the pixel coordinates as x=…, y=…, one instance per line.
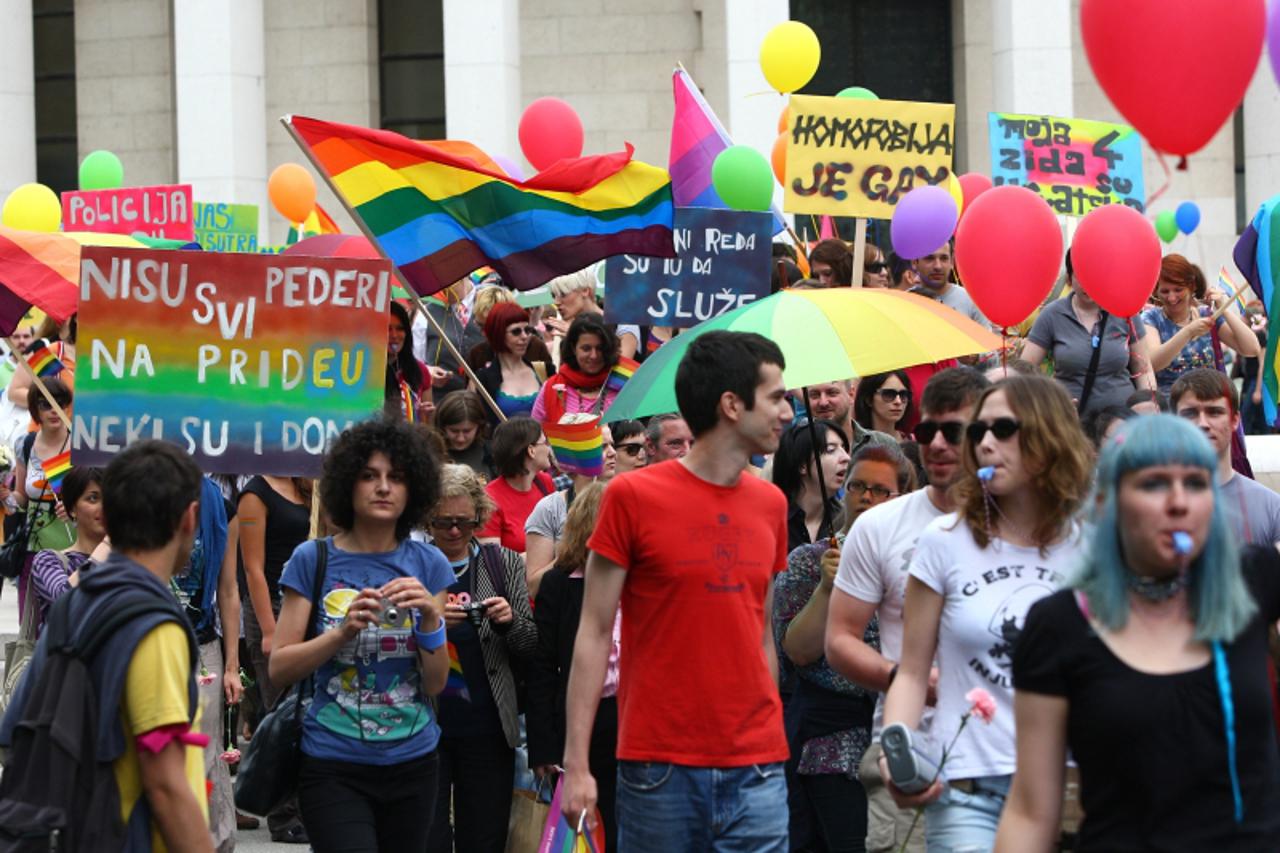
x=825, y=336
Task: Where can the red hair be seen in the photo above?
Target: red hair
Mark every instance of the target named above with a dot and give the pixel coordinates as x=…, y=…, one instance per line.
x=1175, y=269
x=495, y=325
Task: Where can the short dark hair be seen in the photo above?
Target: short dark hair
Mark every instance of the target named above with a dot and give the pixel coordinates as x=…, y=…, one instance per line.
x=58, y=390
x=1148, y=395
x=408, y=450
x=622, y=430
x=795, y=452
x=717, y=362
x=146, y=488
x=1097, y=422
x=867, y=388
x=588, y=324
x=1204, y=383
x=952, y=389
x=511, y=442
x=76, y=482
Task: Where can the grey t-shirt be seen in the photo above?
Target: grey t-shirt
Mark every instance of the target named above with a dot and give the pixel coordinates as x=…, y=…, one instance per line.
x=548, y=517
x=956, y=299
x=1252, y=509
x=1070, y=344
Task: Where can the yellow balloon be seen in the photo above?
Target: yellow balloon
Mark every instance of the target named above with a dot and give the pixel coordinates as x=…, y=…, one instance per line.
x=789, y=56
x=32, y=207
x=957, y=192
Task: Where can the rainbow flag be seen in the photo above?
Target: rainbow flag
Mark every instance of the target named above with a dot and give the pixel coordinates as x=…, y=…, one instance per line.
x=438, y=216
x=579, y=447
x=1257, y=256
x=42, y=360
x=55, y=468
x=622, y=371
x=697, y=137
x=455, y=685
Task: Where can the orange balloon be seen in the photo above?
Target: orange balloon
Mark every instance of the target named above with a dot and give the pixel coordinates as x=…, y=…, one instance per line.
x=292, y=191
x=779, y=158
x=784, y=118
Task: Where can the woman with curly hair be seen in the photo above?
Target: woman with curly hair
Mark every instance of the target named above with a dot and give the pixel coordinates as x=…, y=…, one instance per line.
x=1152, y=668
x=974, y=575
x=374, y=643
x=489, y=625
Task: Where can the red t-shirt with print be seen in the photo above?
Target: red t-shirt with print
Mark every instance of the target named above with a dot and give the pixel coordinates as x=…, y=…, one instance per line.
x=695, y=687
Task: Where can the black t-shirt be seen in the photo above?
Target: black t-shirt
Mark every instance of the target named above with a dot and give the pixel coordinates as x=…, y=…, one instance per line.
x=288, y=525
x=467, y=707
x=1152, y=749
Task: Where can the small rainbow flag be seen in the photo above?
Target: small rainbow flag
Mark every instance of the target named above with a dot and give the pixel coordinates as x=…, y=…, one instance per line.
x=579, y=447
x=42, y=360
x=455, y=685
x=622, y=371
x=55, y=468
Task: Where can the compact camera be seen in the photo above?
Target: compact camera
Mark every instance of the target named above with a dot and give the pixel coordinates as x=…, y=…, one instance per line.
x=475, y=612
x=912, y=763
x=388, y=613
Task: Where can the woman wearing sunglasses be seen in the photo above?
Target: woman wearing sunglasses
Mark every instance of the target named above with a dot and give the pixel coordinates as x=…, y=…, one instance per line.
x=511, y=377
x=883, y=402
x=488, y=622
x=875, y=267
x=974, y=575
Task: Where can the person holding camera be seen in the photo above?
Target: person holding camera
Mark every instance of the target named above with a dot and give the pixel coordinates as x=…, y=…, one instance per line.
x=369, y=738
x=489, y=625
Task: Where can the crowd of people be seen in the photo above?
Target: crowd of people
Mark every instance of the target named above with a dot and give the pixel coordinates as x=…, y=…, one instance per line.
x=1051, y=565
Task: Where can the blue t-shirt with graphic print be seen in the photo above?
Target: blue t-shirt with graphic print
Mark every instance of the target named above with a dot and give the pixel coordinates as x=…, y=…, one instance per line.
x=368, y=707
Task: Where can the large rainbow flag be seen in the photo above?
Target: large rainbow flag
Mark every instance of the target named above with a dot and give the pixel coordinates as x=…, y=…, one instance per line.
x=1257, y=256
x=438, y=215
x=578, y=447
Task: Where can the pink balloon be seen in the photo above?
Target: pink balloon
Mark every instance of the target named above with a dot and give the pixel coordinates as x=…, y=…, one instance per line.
x=1008, y=250
x=972, y=185
x=550, y=131
x=1115, y=255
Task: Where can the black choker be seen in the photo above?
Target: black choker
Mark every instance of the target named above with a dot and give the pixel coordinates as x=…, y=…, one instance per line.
x=1158, y=590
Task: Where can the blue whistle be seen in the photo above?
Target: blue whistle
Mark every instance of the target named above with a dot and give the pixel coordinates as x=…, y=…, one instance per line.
x=986, y=473
x=1096, y=341
x=1182, y=543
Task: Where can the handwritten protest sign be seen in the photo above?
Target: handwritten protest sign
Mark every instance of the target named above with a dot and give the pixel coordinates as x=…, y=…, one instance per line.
x=850, y=157
x=1074, y=164
x=155, y=211
x=227, y=227
x=252, y=363
x=722, y=261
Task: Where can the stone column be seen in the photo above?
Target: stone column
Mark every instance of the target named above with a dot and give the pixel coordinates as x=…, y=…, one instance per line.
x=17, y=96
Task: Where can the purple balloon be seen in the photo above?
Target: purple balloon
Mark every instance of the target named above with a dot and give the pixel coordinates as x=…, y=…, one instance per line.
x=1273, y=39
x=922, y=222
x=511, y=167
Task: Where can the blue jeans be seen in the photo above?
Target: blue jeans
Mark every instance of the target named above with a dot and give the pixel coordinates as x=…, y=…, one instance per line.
x=961, y=822
x=666, y=808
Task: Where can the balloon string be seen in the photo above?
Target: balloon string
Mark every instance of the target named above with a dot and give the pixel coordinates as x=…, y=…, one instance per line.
x=1004, y=348
x=1168, y=179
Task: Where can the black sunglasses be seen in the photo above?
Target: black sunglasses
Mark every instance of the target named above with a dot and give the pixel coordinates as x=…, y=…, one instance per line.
x=877, y=266
x=890, y=394
x=1003, y=428
x=632, y=449
x=521, y=330
x=952, y=431
x=443, y=522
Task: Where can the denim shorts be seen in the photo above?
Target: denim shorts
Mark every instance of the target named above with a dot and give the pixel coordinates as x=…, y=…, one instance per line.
x=965, y=822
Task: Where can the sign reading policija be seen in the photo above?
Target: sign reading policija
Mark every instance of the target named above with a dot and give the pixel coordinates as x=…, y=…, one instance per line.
x=722, y=261
x=252, y=363
x=853, y=157
x=155, y=211
x=1074, y=164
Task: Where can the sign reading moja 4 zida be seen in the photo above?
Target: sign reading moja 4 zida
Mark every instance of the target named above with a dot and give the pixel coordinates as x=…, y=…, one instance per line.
x=251, y=363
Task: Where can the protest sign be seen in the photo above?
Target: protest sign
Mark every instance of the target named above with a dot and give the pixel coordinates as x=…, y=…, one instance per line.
x=225, y=227
x=1074, y=164
x=251, y=363
x=722, y=261
x=853, y=157
x=154, y=211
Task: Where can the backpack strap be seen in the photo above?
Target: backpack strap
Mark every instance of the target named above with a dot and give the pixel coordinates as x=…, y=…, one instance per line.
x=540, y=371
x=491, y=557
x=28, y=442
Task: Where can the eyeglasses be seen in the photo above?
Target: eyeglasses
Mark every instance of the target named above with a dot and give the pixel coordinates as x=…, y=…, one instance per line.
x=890, y=394
x=951, y=431
x=880, y=493
x=631, y=448
x=448, y=522
x=1003, y=428
x=521, y=331
x=877, y=266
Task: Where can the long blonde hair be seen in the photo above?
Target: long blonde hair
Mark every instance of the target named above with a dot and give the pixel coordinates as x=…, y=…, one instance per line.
x=581, y=522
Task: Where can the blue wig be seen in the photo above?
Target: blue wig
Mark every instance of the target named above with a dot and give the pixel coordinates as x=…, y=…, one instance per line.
x=1219, y=598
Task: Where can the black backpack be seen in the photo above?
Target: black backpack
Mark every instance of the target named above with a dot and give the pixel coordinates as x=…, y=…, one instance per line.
x=55, y=794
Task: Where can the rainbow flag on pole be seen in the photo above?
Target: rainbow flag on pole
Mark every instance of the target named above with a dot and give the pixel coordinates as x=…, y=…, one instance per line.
x=42, y=360
x=437, y=216
x=1257, y=256
x=55, y=468
x=578, y=446
x=622, y=371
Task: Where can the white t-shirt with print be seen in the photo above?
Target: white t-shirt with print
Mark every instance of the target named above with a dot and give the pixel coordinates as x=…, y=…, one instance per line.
x=987, y=593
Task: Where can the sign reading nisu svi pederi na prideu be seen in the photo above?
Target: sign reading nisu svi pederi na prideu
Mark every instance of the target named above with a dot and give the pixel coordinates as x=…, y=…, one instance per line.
x=252, y=363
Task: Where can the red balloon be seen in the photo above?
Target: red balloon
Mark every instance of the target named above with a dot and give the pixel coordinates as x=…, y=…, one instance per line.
x=1115, y=255
x=972, y=185
x=550, y=130
x=1175, y=69
x=1008, y=250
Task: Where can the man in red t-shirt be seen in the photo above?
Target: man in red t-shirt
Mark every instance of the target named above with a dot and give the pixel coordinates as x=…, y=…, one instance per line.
x=690, y=548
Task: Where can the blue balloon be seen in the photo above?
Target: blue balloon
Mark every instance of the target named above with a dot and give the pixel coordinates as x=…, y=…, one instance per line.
x=1187, y=216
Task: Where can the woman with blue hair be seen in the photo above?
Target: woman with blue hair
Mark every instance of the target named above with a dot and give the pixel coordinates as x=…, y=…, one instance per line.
x=1151, y=667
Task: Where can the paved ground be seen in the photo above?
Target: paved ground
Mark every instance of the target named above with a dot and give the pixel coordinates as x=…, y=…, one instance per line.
x=257, y=840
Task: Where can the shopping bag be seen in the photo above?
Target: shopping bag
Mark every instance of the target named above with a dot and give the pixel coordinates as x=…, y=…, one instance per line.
x=559, y=836
x=528, y=816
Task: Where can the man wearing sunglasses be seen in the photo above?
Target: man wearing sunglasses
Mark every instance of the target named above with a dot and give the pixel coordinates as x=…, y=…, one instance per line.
x=934, y=270
x=872, y=579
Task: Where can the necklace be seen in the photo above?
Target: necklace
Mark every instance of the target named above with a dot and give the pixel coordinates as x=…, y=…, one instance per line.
x=1158, y=590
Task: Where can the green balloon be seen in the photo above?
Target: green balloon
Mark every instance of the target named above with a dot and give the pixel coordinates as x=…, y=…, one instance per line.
x=859, y=93
x=101, y=170
x=1167, y=226
x=742, y=178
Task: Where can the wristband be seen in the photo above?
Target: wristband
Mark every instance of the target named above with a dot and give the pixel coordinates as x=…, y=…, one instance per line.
x=430, y=641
